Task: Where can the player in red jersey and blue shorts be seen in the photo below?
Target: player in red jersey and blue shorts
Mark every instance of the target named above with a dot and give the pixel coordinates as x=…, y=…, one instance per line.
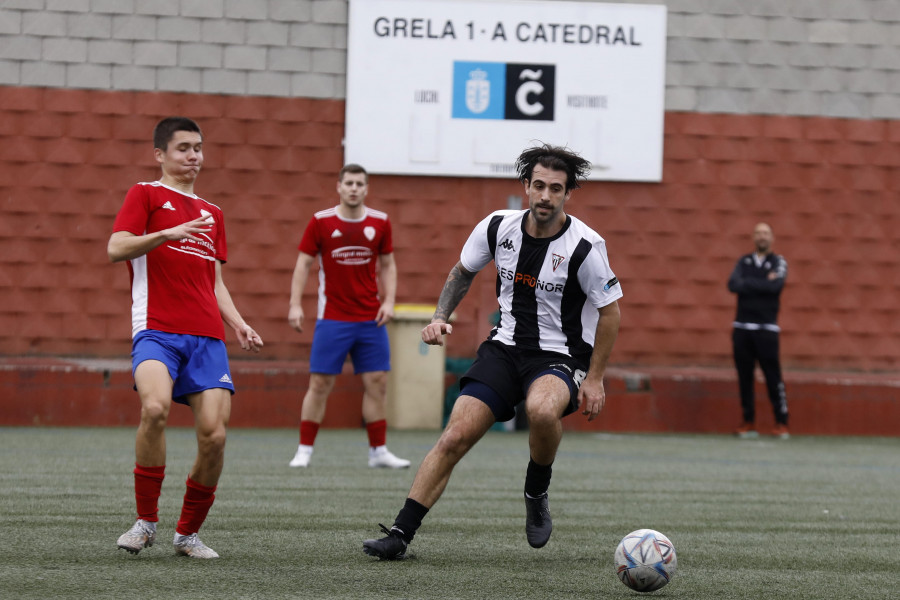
x=174, y=245
x=349, y=240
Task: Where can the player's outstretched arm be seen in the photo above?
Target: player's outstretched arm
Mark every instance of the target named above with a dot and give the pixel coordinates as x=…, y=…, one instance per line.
x=455, y=288
x=124, y=245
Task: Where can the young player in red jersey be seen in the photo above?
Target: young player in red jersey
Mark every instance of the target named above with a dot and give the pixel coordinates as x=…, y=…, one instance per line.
x=174, y=245
x=348, y=239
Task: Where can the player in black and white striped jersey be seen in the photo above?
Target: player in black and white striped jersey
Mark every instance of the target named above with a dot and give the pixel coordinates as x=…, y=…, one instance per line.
x=559, y=318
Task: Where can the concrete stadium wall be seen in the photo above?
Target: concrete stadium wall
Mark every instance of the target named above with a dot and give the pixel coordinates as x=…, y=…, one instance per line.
x=783, y=111
x=90, y=392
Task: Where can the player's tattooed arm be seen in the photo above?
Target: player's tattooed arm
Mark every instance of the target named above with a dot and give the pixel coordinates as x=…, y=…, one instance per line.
x=455, y=288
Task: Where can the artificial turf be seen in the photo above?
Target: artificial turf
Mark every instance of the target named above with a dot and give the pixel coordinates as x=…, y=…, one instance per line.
x=810, y=517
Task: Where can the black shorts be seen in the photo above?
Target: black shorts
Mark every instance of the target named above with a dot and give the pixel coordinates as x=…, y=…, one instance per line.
x=501, y=375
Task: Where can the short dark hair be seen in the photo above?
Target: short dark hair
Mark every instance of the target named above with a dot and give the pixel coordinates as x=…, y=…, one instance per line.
x=166, y=128
x=557, y=158
x=352, y=168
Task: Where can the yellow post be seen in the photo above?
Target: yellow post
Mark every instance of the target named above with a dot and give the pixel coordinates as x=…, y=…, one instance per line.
x=415, y=391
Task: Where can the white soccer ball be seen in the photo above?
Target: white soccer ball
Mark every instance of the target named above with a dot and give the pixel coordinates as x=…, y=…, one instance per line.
x=645, y=560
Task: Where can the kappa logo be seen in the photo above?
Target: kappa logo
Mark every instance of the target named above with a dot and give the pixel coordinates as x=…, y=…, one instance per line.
x=507, y=245
x=225, y=378
x=557, y=260
x=336, y=233
x=168, y=206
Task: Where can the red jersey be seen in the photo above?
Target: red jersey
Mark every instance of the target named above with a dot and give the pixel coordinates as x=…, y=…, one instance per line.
x=173, y=287
x=348, y=289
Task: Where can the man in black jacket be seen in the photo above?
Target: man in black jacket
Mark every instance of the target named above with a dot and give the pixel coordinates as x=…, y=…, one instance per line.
x=758, y=279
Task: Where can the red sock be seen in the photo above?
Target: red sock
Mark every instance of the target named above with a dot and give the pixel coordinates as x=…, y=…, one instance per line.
x=147, y=487
x=308, y=432
x=198, y=499
x=377, y=431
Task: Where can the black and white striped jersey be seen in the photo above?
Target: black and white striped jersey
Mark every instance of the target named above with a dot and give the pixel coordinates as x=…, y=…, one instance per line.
x=549, y=289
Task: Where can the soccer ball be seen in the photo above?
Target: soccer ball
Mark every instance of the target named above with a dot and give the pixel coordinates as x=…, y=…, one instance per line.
x=645, y=560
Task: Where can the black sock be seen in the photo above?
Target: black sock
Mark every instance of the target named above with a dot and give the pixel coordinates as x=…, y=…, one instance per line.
x=537, y=478
x=410, y=518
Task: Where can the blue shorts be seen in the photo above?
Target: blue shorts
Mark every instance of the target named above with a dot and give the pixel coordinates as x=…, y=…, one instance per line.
x=195, y=362
x=501, y=375
x=365, y=342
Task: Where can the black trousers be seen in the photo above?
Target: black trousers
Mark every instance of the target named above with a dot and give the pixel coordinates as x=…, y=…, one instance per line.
x=750, y=347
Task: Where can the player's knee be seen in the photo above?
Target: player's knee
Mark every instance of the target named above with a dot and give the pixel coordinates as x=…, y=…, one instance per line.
x=453, y=444
x=376, y=383
x=321, y=386
x=541, y=415
x=212, y=441
x=154, y=414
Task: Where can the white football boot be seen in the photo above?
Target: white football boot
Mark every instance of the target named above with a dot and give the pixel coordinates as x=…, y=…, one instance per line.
x=190, y=545
x=382, y=457
x=141, y=535
x=301, y=459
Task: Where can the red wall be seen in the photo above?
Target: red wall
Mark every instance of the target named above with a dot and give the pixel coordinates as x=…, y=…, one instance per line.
x=828, y=187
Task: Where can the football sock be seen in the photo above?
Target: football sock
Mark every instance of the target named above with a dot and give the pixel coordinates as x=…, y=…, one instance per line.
x=308, y=432
x=410, y=518
x=377, y=431
x=147, y=488
x=537, y=478
x=198, y=499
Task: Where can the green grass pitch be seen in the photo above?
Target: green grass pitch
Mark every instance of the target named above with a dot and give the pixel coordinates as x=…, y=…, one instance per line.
x=806, y=518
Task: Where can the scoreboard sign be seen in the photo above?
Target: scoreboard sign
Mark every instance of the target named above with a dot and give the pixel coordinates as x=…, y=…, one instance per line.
x=461, y=87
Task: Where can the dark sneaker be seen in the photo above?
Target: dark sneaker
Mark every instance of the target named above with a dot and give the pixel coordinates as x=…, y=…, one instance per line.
x=390, y=547
x=538, y=524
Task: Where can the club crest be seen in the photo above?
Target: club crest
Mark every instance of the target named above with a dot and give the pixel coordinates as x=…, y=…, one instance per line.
x=557, y=260
x=478, y=91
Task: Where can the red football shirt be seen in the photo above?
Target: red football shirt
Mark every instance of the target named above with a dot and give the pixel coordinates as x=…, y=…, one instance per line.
x=347, y=251
x=173, y=285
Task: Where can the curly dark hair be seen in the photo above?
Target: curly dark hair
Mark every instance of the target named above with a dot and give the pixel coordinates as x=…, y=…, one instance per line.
x=558, y=158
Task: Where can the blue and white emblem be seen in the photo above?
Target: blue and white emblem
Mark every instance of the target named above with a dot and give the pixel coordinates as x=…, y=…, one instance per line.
x=478, y=91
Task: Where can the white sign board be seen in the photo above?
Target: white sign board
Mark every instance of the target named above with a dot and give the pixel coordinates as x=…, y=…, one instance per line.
x=461, y=87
